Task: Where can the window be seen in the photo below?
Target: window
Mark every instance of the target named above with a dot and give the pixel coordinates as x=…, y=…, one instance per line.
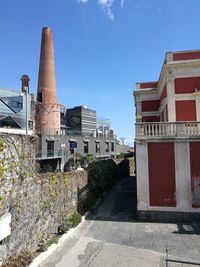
x=16, y=104
x=107, y=146
x=86, y=147
x=72, y=146
x=30, y=125
x=76, y=121
x=97, y=147
x=50, y=148
x=39, y=97
x=112, y=147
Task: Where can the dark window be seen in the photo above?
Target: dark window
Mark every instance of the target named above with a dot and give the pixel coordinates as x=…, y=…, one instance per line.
x=72, y=146
x=16, y=104
x=50, y=148
x=86, y=147
x=39, y=97
x=30, y=125
x=76, y=121
x=107, y=146
x=112, y=147
x=97, y=147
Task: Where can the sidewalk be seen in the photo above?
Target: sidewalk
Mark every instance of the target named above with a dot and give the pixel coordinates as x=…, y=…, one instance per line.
x=112, y=237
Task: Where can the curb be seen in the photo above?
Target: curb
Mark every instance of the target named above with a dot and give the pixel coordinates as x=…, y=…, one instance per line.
x=42, y=256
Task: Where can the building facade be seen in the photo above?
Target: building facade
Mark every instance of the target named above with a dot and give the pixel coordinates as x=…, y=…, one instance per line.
x=64, y=133
x=81, y=120
x=168, y=139
x=17, y=110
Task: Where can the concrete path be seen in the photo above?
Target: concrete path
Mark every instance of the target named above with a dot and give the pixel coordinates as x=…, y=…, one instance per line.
x=112, y=237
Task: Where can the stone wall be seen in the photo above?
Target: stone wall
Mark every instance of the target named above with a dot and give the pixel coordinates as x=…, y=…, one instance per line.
x=132, y=166
x=38, y=204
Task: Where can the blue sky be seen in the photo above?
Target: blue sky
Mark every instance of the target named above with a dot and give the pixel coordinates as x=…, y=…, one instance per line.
x=102, y=48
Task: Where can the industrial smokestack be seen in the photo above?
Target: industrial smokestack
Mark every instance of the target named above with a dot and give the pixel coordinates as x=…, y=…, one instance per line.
x=46, y=79
x=47, y=116
x=25, y=83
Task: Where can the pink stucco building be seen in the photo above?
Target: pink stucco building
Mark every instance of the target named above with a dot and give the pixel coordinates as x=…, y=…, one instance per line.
x=168, y=140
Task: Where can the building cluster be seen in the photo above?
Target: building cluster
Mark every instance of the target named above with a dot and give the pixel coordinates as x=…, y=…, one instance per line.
x=168, y=139
x=63, y=132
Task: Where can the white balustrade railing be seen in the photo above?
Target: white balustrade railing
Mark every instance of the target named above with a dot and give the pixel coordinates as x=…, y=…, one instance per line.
x=167, y=129
x=192, y=128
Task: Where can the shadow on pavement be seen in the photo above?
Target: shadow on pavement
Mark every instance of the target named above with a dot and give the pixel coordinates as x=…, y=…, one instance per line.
x=120, y=204
x=188, y=229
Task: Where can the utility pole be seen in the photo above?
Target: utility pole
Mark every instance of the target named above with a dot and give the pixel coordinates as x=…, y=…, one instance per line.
x=26, y=92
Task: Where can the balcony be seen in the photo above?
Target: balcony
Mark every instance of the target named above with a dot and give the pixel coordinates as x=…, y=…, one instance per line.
x=50, y=154
x=166, y=130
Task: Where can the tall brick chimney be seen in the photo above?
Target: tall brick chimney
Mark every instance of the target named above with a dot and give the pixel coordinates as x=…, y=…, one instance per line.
x=25, y=82
x=47, y=111
x=46, y=79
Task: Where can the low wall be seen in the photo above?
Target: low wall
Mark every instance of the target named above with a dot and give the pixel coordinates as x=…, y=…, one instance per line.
x=32, y=206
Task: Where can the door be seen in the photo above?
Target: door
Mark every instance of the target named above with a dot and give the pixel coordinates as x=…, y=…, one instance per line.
x=162, y=186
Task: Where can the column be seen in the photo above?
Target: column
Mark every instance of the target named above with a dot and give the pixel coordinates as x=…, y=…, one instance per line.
x=142, y=175
x=183, y=179
x=171, y=100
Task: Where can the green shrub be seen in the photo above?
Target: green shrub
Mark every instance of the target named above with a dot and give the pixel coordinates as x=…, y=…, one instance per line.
x=47, y=168
x=102, y=175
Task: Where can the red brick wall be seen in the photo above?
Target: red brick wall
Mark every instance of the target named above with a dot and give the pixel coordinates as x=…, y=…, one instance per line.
x=186, y=85
x=186, y=56
x=162, y=186
x=186, y=110
x=150, y=105
x=148, y=85
x=150, y=119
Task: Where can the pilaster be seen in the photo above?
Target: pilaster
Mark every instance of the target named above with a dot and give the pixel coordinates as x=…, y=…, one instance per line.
x=171, y=100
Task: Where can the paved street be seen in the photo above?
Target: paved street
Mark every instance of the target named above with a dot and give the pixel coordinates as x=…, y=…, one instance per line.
x=112, y=237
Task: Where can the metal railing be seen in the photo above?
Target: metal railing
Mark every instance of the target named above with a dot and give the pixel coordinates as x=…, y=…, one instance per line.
x=167, y=260
x=77, y=134
x=154, y=130
x=51, y=154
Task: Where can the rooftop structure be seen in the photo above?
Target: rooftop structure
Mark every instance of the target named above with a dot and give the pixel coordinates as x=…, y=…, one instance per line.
x=17, y=110
x=81, y=120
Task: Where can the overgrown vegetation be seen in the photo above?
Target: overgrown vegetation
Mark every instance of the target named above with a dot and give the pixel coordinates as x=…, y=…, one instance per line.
x=55, y=194
x=71, y=222
x=80, y=161
x=102, y=175
x=15, y=167
x=20, y=259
